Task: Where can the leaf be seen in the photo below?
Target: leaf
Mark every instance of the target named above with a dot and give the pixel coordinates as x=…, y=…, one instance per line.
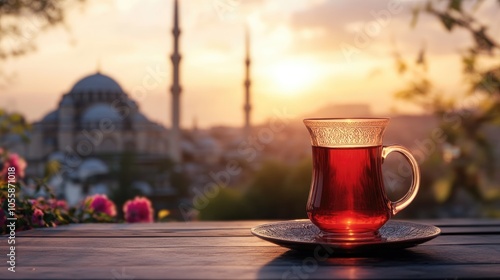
x=421, y=57
x=423, y=87
x=455, y=5
x=404, y=94
x=489, y=82
x=16, y=118
x=483, y=42
x=447, y=21
x=469, y=62
x=442, y=188
x=429, y=7
x=401, y=66
x=415, y=12
x=478, y=4
x=52, y=167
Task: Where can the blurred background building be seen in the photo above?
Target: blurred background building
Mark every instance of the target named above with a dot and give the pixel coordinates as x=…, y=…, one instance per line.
x=94, y=125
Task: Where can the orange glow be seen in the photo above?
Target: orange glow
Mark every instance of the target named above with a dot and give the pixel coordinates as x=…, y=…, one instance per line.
x=294, y=76
x=296, y=52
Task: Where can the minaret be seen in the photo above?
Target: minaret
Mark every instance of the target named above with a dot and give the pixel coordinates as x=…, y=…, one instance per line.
x=176, y=89
x=195, y=125
x=247, y=107
x=98, y=66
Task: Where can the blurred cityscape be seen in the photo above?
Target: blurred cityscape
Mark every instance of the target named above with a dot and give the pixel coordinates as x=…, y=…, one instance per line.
x=103, y=142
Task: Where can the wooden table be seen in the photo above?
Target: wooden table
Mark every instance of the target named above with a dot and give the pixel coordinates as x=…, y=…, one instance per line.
x=227, y=250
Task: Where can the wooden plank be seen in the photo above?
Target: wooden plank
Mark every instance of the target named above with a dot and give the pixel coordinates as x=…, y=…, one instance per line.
x=171, y=225
x=150, y=233
x=251, y=223
x=304, y=271
x=464, y=240
x=470, y=230
x=249, y=241
x=165, y=242
x=167, y=230
x=459, y=222
x=86, y=255
x=150, y=230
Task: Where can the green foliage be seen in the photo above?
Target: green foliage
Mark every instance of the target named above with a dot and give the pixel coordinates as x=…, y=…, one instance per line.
x=227, y=205
x=126, y=175
x=13, y=124
x=34, y=212
x=463, y=117
x=180, y=181
x=277, y=191
x=447, y=21
x=22, y=20
x=455, y=5
x=30, y=212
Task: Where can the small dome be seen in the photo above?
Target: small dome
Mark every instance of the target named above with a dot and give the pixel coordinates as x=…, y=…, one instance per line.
x=12, y=139
x=96, y=83
x=57, y=156
x=91, y=167
x=99, y=112
x=139, y=117
x=67, y=100
x=207, y=142
x=51, y=117
x=188, y=147
x=99, y=188
x=143, y=187
x=132, y=104
x=159, y=127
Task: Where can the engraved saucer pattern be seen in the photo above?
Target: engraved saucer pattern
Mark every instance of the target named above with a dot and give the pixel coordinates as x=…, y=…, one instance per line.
x=302, y=235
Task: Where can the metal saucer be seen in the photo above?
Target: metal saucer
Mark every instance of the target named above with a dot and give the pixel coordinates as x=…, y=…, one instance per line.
x=302, y=235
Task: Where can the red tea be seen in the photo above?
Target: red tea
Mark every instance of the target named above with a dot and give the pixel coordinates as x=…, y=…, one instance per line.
x=347, y=195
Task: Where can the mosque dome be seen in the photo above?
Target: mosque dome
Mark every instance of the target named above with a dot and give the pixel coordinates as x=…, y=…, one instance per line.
x=90, y=167
x=140, y=117
x=67, y=100
x=100, y=111
x=51, y=117
x=96, y=83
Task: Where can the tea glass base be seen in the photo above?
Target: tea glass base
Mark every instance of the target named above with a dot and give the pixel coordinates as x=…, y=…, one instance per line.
x=330, y=237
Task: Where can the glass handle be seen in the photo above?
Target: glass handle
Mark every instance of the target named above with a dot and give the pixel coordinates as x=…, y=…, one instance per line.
x=412, y=192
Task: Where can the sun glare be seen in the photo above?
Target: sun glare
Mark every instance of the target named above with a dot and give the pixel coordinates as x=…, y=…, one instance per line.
x=293, y=77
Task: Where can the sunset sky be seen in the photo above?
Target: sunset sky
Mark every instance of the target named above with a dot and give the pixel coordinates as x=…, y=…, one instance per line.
x=298, y=48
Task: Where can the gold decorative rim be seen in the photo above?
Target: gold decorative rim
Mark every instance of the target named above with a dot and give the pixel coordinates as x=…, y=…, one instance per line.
x=348, y=132
x=346, y=122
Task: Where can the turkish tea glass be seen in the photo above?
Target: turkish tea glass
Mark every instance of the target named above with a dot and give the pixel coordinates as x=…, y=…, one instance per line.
x=347, y=199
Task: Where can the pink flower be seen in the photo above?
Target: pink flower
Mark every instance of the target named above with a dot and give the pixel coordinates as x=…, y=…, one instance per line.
x=100, y=203
x=38, y=203
x=14, y=160
x=37, y=218
x=138, y=210
x=58, y=204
